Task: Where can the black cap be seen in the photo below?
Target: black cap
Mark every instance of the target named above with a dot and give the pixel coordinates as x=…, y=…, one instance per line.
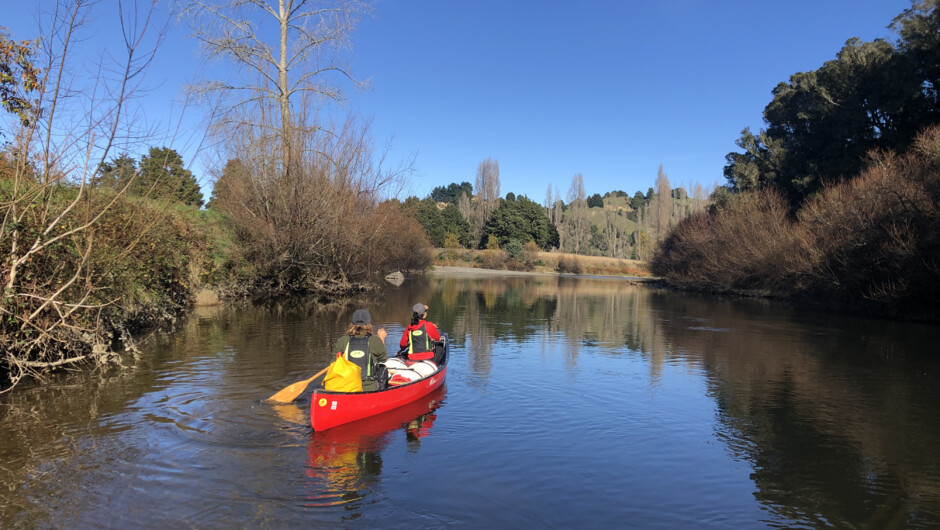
x=361, y=317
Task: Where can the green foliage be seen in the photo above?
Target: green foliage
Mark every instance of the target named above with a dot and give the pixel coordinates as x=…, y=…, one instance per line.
x=117, y=173
x=821, y=124
x=234, y=175
x=521, y=220
x=429, y=216
x=638, y=201
x=919, y=29
x=18, y=77
x=451, y=194
x=514, y=248
x=595, y=201
x=455, y=225
x=137, y=266
x=439, y=224
x=161, y=174
x=597, y=239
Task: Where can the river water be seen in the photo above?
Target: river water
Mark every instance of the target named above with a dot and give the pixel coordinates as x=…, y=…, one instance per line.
x=569, y=403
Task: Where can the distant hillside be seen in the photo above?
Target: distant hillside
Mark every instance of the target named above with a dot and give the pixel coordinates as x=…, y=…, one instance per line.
x=615, y=209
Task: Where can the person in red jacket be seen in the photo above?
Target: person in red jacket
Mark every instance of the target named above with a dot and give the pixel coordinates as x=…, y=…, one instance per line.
x=420, y=336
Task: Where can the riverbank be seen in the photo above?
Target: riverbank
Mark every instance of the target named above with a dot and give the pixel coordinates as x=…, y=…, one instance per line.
x=539, y=262
x=471, y=272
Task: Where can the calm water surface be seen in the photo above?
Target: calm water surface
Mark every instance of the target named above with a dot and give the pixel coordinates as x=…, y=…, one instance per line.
x=569, y=403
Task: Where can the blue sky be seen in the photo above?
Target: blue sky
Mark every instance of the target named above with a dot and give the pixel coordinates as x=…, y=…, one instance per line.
x=610, y=89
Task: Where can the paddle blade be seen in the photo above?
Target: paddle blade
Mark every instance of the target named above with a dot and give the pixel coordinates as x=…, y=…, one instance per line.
x=291, y=392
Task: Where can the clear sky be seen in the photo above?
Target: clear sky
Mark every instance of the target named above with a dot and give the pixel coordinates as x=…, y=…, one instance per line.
x=610, y=89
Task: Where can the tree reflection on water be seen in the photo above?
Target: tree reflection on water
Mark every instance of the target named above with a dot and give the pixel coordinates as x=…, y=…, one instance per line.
x=836, y=415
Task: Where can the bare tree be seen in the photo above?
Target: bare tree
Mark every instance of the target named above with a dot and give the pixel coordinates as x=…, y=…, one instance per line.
x=557, y=209
x=549, y=201
x=287, y=48
x=487, y=196
x=465, y=207
x=662, y=206
x=614, y=238
x=304, y=193
x=320, y=227
x=576, y=224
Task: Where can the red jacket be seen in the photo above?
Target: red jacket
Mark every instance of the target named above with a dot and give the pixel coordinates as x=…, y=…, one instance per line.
x=428, y=326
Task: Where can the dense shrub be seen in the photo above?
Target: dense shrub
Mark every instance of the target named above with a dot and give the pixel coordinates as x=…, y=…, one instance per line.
x=90, y=286
x=872, y=239
x=319, y=227
x=878, y=236
x=494, y=258
x=569, y=265
x=514, y=248
x=744, y=246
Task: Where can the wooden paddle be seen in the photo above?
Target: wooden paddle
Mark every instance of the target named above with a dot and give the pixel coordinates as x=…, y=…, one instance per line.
x=293, y=390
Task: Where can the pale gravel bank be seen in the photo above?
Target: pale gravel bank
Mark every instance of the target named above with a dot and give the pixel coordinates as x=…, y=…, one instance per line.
x=469, y=272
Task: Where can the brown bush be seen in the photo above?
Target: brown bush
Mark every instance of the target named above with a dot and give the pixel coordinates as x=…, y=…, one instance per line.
x=878, y=236
x=494, y=258
x=872, y=238
x=569, y=265
x=319, y=225
x=746, y=246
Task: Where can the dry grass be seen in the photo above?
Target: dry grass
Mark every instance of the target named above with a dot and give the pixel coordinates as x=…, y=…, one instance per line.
x=545, y=262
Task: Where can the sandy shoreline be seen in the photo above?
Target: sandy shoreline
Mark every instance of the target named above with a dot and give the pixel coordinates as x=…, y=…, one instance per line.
x=440, y=270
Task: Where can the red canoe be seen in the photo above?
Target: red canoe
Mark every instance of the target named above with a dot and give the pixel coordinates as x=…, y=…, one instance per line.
x=330, y=408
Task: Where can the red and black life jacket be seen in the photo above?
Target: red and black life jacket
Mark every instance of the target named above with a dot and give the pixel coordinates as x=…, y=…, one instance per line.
x=419, y=343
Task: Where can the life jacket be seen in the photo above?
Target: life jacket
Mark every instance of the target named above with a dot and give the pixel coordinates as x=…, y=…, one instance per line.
x=358, y=352
x=418, y=340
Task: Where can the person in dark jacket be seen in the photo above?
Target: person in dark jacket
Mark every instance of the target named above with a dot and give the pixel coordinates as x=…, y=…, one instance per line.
x=420, y=336
x=363, y=348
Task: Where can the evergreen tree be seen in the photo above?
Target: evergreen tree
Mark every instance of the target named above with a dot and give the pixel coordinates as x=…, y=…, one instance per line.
x=451, y=194
x=163, y=176
x=521, y=220
x=116, y=173
x=822, y=124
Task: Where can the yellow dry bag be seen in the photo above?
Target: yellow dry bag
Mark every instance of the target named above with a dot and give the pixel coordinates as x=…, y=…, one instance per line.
x=343, y=376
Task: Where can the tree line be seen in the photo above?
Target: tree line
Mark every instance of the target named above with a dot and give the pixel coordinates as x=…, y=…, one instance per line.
x=613, y=224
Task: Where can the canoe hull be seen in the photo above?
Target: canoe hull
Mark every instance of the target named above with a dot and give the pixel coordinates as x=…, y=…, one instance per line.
x=329, y=409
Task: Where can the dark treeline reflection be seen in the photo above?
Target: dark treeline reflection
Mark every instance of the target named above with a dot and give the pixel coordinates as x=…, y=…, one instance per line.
x=837, y=416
